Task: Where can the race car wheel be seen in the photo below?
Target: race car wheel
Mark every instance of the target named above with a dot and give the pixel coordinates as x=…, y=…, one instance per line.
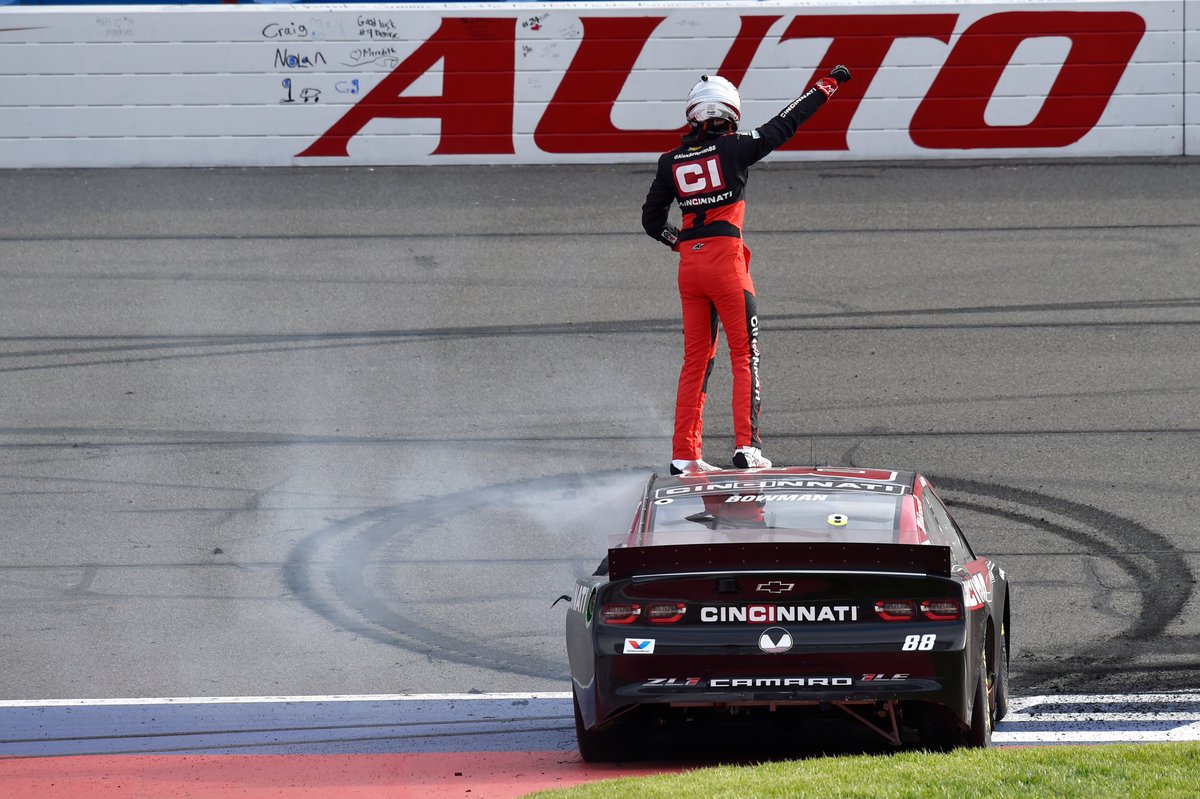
x=1000, y=687
x=601, y=745
x=983, y=712
x=941, y=730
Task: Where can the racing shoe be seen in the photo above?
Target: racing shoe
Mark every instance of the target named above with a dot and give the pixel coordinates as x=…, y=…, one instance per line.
x=750, y=458
x=692, y=467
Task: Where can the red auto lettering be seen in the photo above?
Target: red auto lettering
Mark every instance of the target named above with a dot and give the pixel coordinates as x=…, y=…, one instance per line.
x=478, y=82
x=579, y=116
x=951, y=117
x=860, y=42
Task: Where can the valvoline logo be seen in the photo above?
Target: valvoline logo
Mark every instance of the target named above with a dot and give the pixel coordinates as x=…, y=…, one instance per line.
x=639, y=646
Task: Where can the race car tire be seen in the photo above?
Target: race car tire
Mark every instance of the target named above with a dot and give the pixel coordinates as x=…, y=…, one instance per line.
x=609, y=745
x=982, y=713
x=1000, y=689
x=939, y=729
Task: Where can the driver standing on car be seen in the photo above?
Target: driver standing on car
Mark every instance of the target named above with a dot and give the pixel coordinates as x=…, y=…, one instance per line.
x=707, y=176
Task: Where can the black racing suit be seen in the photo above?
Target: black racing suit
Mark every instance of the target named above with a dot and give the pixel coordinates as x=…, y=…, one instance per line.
x=717, y=207
x=707, y=175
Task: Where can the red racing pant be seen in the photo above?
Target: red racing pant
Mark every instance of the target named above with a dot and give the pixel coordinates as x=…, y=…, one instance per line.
x=715, y=285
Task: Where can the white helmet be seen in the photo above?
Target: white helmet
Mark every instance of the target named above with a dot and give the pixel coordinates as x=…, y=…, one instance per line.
x=714, y=98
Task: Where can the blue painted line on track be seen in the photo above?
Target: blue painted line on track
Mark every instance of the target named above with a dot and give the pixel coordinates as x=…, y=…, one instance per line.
x=383, y=727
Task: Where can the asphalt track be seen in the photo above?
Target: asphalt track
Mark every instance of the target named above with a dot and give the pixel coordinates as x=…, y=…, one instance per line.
x=341, y=432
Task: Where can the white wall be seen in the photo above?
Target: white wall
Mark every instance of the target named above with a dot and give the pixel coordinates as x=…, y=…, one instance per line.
x=1191, y=79
x=586, y=82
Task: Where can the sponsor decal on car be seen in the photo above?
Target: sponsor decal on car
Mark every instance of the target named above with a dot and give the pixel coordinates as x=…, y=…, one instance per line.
x=774, y=614
x=883, y=678
x=777, y=682
x=579, y=602
x=802, y=483
x=775, y=587
x=919, y=643
x=776, y=498
x=748, y=682
x=920, y=516
x=775, y=640
x=639, y=646
x=673, y=682
x=975, y=592
x=584, y=601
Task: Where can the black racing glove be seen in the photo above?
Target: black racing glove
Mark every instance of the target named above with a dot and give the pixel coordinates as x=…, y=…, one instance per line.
x=829, y=84
x=669, y=236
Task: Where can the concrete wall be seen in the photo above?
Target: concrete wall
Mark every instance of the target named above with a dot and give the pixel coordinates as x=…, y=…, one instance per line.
x=587, y=82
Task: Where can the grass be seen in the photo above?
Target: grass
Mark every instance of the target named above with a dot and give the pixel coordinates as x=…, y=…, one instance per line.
x=1139, y=771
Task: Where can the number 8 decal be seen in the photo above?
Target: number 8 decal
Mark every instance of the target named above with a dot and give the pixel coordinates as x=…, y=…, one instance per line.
x=694, y=177
x=922, y=643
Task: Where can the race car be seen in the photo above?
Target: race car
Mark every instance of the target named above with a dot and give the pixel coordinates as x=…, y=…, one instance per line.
x=790, y=593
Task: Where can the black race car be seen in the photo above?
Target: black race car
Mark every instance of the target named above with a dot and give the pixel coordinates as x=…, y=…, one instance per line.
x=802, y=591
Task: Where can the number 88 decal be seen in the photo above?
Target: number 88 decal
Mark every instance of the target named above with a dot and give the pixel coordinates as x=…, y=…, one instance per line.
x=919, y=643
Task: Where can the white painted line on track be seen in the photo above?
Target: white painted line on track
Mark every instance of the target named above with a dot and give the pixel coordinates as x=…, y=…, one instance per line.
x=1100, y=718
x=1105, y=717
x=1021, y=702
x=231, y=700
x=1095, y=737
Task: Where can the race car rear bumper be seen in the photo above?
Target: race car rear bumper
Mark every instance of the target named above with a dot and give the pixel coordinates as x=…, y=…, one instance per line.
x=681, y=681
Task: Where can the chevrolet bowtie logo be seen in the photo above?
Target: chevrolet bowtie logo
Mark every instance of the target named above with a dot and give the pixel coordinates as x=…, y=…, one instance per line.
x=775, y=587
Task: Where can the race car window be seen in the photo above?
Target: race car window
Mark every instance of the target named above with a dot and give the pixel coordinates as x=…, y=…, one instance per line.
x=960, y=549
x=801, y=516
x=941, y=530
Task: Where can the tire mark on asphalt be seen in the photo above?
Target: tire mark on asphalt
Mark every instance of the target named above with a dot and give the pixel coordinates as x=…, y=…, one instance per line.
x=326, y=573
x=1160, y=574
x=642, y=325
x=125, y=438
x=1167, y=581
x=92, y=345
x=465, y=235
x=316, y=343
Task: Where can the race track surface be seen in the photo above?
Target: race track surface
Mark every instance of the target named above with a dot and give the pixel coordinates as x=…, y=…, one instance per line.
x=336, y=432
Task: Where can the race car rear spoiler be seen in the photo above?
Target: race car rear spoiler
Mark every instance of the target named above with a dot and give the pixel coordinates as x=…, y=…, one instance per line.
x=626, y=562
